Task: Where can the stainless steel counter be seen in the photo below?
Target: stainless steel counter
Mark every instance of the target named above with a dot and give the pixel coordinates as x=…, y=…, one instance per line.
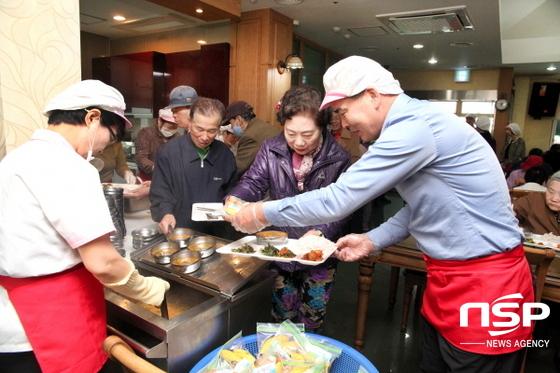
x=228, y=294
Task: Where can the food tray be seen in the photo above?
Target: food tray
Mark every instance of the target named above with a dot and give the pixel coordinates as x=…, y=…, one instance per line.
x=540, y=243
x=252, y=240
x=127, y=187
x=201, y=215
x=349, y=361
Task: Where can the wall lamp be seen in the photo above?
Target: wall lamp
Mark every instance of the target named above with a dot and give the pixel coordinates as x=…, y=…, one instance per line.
x=291, y=62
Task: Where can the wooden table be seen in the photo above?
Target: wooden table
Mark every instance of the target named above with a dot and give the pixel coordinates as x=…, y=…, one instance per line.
x=406, y=255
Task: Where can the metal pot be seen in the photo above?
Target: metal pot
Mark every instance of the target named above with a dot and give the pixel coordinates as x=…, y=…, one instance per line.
x=205, y=245
x=181, y=236
x=186, y=261
x=162, y=252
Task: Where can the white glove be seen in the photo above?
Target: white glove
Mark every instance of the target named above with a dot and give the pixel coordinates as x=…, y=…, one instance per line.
x=149, y=290
x=353, y=247
x=250, y=218
x=129, y=177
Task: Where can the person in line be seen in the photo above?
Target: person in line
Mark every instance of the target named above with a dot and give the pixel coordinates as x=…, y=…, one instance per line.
x=346, y=139
x=539, y=212
x=303, y=157
x=349, y=141
x=483, y=127
x=193, y=168
x=55, y=252
x=471, y=119
x=457, y=208
x=552, y=157
x=180, y=100
x=252, y=132
x=228, y=137
x=514, y=150
x=535, y=180
x=114, y=161
x=517, y=177
x=150, y=139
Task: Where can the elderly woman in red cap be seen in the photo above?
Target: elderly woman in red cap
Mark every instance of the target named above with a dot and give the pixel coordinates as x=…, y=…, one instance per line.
x=517, y=177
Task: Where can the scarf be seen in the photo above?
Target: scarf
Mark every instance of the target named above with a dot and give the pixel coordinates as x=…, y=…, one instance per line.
x=302, y=164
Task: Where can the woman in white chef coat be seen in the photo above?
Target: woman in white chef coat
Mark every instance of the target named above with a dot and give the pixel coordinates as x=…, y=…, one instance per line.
x=55, y=252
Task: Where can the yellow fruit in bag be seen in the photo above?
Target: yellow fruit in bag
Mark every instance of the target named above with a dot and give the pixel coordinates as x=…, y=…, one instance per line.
x=244, y=354
x=230, y=356
x=280, y=338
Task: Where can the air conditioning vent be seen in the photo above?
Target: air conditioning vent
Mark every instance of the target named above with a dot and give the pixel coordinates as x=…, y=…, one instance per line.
x=431, y=21
x=161, y=23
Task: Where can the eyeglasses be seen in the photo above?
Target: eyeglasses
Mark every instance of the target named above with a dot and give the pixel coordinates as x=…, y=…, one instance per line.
x=113, y=136
x=341, y=111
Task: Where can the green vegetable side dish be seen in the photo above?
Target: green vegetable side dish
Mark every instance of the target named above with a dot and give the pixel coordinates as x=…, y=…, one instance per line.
x=245, y=249
x=269, y=250
x=529, y=240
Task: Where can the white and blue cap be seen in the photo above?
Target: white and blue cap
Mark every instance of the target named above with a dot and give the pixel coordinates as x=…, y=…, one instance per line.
x=89, y=93
x=353, y=75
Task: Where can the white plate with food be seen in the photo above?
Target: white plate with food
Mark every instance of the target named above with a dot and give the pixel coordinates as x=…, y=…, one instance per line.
x=310, y=250
x=543, y=241
x=207, y=211
x=127, y=187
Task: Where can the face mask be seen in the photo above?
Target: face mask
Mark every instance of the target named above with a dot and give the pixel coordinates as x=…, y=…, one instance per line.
x=167, y=132
x=90, y=156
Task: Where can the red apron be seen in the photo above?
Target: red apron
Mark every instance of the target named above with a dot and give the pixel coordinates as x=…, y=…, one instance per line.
x=451, y=284
x=64, y=318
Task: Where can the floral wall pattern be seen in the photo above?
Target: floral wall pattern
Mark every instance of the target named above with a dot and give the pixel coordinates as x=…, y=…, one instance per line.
x=39, y=57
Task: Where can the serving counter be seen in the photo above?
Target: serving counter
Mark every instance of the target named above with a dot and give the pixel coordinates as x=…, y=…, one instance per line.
x=226, y=295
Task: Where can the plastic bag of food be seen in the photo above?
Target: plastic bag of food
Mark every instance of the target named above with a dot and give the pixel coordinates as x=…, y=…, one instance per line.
x=225, y=361
x=267, y=330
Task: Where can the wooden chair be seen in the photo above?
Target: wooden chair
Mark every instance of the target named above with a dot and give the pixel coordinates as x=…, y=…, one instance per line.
x=118, y=350
x=539, y=259
x=518, y=193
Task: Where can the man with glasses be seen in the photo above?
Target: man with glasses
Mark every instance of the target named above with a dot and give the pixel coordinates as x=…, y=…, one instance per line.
x=457, y=208
x=193, y=168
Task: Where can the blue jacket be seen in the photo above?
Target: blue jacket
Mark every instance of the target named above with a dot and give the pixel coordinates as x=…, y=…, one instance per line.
x=272, y=172
x=181, y=179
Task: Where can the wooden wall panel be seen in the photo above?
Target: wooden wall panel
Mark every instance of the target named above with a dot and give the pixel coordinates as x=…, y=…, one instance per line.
x=259, y=39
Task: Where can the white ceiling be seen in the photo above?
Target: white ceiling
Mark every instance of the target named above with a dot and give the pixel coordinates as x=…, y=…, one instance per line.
x=523, y=34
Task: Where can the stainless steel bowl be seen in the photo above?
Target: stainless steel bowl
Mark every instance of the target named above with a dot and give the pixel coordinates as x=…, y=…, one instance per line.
x=162, y=252
x=180, y=236
x=272, y=238
x=186, y=261
x=145, y=232
x=205, y=245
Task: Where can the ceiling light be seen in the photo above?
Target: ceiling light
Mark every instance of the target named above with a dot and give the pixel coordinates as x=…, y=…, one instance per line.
x=464, y=44
x=418, y=46
x=201, y=41
x=347, y=36
x=119, y=18
x=336, y=29
x=432, y=60
x=198, y=10
x=289, y=2
x=291, y=62
x=551, y=68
